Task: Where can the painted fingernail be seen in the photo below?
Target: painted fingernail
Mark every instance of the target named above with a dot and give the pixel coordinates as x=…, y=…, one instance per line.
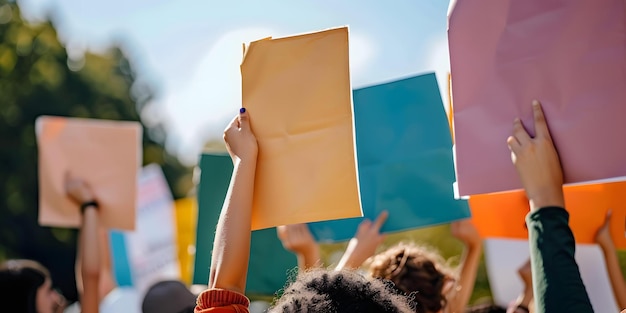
x=242, y=110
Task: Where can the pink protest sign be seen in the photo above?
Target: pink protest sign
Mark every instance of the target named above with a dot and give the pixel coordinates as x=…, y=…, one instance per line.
x=570, y=55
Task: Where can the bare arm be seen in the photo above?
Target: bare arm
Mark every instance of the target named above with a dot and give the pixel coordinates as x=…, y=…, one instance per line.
x=298, y=239
x=603, y=238
x=525, y=300
x=107, y=281
x=466, y=232
x=231, y=249
x=88, y=243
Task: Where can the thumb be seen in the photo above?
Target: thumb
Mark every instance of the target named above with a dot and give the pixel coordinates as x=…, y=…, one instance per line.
x=232, y=126
x=244, y=120
x=281, y=231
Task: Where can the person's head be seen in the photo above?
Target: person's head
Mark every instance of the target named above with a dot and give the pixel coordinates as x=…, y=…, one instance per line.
x=321, y=290
x=170, y=296
x=25, y=286
x=417, y=271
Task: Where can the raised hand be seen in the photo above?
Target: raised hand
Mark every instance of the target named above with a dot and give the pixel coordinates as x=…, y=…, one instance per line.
x=298, y=239
x=239, y=139
x=465, y=231
x=537, y=162
x=78, y=190
x=364, y=243
x=231, y=245
x=603, y=235
x=618, y=285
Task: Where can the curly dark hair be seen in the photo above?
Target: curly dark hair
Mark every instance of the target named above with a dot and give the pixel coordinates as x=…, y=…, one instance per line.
x=417, y=271
x=323, y=290
x=19, y=281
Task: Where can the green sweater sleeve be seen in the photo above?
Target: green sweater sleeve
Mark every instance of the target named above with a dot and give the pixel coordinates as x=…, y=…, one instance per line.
x=557, y=284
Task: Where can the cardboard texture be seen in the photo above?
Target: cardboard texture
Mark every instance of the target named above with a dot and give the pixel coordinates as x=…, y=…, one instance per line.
x=297, y=90
x=502, y=215
x=269, y=261
x=569, y=55
x=106, y=154
x=404, y=159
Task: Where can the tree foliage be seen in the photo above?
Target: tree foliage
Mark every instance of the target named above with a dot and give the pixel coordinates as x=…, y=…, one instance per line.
x=37, y=78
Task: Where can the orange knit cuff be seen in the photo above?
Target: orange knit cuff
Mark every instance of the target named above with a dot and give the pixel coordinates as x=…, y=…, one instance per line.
x=212, y=298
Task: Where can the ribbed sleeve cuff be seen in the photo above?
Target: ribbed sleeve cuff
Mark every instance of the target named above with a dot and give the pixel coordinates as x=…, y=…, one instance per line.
x=212, y=298
x=547, y=212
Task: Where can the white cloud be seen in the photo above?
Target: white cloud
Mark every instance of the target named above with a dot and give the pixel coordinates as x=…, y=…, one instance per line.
x=362, y=51
x=212, y=95
x=201, y=110
x=439, y=61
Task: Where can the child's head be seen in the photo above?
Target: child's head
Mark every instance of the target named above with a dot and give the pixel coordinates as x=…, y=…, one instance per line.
x=416, y=270
x=25, y=286
x=340, y=291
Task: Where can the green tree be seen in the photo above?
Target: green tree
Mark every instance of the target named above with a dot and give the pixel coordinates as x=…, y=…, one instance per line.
x=37, y=78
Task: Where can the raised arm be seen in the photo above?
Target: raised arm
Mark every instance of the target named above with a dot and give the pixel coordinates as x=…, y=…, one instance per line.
x=231, y=249
x=618, y=285
x=364, y=244
x=88, y=253
x=107, y=281
x=298, y=239
x=557, y=284
x=466, y=232
x=523, y=303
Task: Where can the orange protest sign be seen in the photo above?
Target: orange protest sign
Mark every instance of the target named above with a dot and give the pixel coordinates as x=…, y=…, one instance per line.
x=107, y=154
x=450, y=108
x=501, y=215
x=297, y=90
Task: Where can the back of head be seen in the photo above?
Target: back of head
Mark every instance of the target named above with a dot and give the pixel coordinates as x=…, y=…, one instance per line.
x=322, y=290
x=170, y=296
x=417, y=271
x=19, y=282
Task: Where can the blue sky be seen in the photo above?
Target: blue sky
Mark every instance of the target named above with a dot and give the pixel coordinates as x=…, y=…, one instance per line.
x=190, y=50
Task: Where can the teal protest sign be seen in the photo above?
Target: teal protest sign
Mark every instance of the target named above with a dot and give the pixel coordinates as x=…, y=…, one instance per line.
x=405, y=163
x=269, y=261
